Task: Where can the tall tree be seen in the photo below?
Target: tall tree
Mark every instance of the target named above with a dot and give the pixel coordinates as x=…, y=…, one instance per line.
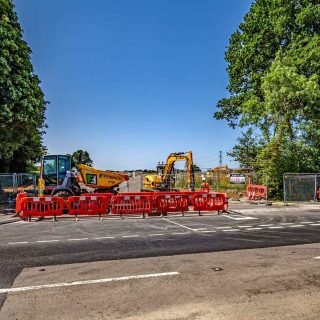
x=81, y=157
x=274, y=71
x=22, y=103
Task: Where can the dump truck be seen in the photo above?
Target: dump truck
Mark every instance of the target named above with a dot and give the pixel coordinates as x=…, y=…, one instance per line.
x=58, y=179
x=163, y=180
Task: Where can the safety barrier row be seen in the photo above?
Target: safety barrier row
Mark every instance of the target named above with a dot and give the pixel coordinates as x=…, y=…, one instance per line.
x=121, y=204
x=256, y=192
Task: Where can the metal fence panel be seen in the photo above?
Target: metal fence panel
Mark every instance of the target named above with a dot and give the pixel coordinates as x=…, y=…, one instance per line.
x=7, y=186
x=300, y=186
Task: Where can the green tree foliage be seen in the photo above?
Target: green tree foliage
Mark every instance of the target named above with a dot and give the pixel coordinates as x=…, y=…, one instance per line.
x=22, y=104
x=196, y=168
x=80, y=157
x=273, y=67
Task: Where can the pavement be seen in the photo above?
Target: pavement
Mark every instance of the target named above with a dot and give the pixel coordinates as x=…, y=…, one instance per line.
x=88, y=251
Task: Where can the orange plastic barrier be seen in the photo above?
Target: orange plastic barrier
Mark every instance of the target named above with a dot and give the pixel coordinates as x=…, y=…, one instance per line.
x=19, y=197
x=171, y=202
x=41, y=207
x=214, y=201
x=256, y=192
x=93, y=204
x=131, y=204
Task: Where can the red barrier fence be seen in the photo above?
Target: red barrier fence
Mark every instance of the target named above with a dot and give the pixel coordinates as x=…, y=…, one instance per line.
x=215, y=201
x=89, y=204
x=131, y=204
x=165, y=203
x=256, y=192
x=41, y=207
x=19, y=197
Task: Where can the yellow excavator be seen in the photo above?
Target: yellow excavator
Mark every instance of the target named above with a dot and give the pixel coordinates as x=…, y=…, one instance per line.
x=57, y=179
x=164, y=181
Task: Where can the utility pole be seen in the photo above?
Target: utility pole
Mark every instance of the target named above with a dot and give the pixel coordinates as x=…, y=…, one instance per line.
x=220, y=165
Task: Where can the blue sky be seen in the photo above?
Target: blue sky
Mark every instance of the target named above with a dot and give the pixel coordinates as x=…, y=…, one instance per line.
x=133, y=80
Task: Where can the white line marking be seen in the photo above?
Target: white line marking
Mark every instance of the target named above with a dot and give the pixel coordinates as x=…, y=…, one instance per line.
x=243, y=218
x=207, y=231
x=180, y=225
x=316, y=258
x=200, y=229
x=179, y=232
x=296, y=226
x=279, y=227
x=231, y=230
x=223, y=227
x=84, y=282
x=21, y=242
x=79, y=239
x=306, y=222
x=315, y=224
x=103, y=238
x=244, y=226
x=155, y=234
x=286, y=223
x=132, y=236
x=254, y=229
x=265, y=225
x=44, y=241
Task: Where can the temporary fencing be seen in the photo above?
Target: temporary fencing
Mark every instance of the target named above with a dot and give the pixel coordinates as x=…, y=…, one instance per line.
x=89, y=204
x=131, y=204
x=165, y=203
x=215, y=201
x=19, y=197
x=41, y=207
x=256, y=192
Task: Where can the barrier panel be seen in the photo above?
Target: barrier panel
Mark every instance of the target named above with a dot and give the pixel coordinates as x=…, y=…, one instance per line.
x=131, y=204
x=19, y=197
x=215, y=201
x=93, y=204
x=256, y=192
x=171, y=202
x=41, y=207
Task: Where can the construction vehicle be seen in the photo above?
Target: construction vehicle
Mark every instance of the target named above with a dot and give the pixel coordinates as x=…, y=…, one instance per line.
x=164, y=179
x=58, y=179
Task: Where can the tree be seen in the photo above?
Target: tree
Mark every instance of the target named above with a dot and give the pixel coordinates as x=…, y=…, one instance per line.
x=22, y=104
x=80, y=157
x=196, y=168
x=274, y=71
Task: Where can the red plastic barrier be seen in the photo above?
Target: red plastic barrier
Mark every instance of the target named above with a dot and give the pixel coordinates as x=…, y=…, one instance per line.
x=41, y=207
x=19, y=197
x=131, y=204
x=93, y=204
x=171, y=202
x=256, y=192
x=214, y=201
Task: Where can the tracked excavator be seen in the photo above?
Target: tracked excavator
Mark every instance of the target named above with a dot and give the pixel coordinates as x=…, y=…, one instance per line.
x=57, y=178
x=163, y=181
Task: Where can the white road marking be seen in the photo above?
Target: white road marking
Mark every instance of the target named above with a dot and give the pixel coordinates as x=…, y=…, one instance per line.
x=231, y=230
x=79, y=239
x=243, y=218
x=278, y=227
x=296, y=226
x=131, y=236
x=85, y=282
x=155, y=234
x=103, y=238
x=179, y=232
x=306, y=222
x=244, y=226
x=200, y=229
x=316, y=258
x=286, y=223
x=180, y=225
x=315, y=224
x=207, y=231
x=254, y=229
x=45, y=241
x=223, y=227
x=265, y=225
x=20, y=242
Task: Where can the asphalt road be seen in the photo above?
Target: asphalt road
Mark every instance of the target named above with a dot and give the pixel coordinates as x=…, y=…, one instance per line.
x=47, y=243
